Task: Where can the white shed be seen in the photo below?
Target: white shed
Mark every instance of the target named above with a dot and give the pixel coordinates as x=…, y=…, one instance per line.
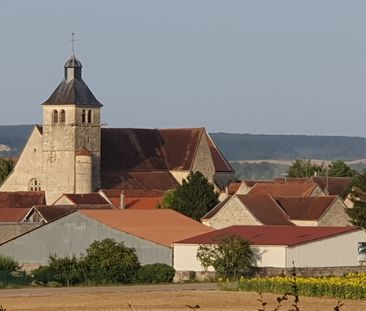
x=281, y=246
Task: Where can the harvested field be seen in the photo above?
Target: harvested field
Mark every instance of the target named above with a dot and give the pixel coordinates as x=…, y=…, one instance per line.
x=164, y=300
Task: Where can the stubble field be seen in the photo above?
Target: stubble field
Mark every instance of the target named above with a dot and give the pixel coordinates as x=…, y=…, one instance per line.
x=164, y=300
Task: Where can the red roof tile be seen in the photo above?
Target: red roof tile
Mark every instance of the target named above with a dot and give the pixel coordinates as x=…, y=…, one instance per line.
x=12, y=214
x=283, y=190
x=272, y=235
x=86, y=198
x=336, y=185
x=265, y=209
x=162, y=226
x=21, y=199
x=308, y=208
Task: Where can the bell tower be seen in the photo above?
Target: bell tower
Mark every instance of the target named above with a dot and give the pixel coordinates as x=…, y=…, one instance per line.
x=71, y=126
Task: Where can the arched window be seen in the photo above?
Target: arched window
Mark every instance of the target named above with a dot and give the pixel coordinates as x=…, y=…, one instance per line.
x=34, y=185
x=55, y=116
x=83, y=116
x=62, y=116
x=90, y=116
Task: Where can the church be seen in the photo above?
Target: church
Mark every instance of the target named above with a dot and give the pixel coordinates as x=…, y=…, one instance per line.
x=72, y=153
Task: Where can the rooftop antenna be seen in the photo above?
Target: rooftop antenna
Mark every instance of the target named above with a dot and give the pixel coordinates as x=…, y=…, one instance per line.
x=73, y=40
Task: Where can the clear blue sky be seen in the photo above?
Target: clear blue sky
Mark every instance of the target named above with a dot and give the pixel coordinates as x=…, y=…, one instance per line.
x=275, y=67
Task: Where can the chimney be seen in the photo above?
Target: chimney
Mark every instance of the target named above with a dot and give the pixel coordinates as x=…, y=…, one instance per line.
x=123, y=200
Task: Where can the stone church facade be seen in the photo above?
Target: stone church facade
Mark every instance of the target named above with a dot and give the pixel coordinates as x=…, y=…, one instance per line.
x=71, y=153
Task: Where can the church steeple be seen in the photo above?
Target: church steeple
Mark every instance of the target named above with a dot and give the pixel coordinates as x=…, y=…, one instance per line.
x=72, y=69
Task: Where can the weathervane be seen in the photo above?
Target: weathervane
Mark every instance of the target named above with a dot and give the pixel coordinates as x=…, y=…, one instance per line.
x=73, y=40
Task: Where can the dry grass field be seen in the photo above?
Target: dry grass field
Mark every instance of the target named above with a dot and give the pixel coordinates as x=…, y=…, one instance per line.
x=164, y=300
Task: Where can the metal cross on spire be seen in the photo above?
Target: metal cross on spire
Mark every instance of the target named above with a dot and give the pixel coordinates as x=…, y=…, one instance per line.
x=73, y=40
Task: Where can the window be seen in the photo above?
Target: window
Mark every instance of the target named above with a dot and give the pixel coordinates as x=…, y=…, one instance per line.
x=90, y=116
x=34, y=185
x=83, y=116
x=55, y=116
x=62, y=116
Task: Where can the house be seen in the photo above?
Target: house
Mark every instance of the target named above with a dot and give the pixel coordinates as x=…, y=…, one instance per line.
x=282, y=246
x=71, y=152
x=150, y=232
x=246, y=210
x=315, y=211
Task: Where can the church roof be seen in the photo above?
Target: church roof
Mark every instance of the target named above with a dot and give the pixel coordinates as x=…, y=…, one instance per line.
x=73, y=92
x=156, y=149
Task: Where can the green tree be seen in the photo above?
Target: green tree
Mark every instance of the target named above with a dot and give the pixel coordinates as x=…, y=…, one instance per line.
x=339, y=168
x=303, y=168
x=357, y=195
x=6, y=166
x=230, y=255
x=194, y=198
x=66, y=270
x=109, y=261
x=8, y=264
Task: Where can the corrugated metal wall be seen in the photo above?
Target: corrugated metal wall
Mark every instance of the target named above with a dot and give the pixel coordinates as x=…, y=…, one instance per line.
x=73, y=234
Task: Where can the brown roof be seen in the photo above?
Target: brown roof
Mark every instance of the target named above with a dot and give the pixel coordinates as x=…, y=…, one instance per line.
x=53, y=212
x=86, y=198
x=162, y=226
x=12, y=214
x=21, y=199
x=265, y=209
x=336, y=185
x=283, y=190
x=272, y=235
x=309, y=208
x=139, y=180
x=233, y=187
x=126, y=150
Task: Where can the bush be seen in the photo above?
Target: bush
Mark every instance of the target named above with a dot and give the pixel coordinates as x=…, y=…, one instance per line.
x=43, y=274
x=156, y=273
x=66, y=270
x=8, y=264
x=109, y=261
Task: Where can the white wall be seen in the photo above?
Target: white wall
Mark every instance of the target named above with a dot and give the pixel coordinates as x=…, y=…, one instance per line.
x=338, y=251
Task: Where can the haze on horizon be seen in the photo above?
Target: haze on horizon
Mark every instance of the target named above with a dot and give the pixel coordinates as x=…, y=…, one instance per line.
x=273, y=67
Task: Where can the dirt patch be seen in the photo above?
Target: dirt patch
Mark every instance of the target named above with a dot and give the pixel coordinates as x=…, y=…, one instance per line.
x=166, y=300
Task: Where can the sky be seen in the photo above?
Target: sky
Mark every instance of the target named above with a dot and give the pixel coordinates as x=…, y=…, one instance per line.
x=269, y=67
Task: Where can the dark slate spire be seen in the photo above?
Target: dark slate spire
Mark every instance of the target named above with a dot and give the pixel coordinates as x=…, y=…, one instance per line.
x=73, y=90
x=72, y=68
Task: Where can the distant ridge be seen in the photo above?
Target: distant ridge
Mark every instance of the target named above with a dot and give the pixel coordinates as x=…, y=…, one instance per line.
x=240, y=147
x=13, y=139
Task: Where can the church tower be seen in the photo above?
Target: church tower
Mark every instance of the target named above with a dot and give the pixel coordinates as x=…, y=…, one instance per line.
x=71, y=136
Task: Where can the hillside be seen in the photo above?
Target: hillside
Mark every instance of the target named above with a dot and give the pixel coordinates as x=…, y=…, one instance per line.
x=13, y=139
x=239, y=147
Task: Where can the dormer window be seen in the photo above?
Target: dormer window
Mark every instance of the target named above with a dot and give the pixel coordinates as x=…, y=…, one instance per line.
x=90, y=116
x=83, y=116
x=55, y=116
x=62, y=116
x=34, y=185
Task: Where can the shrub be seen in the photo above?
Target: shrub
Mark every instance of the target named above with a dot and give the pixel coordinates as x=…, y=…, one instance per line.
x=8, y=264
x=109, y=261
x=43, y=274
x=156, y=273
x=66, y=270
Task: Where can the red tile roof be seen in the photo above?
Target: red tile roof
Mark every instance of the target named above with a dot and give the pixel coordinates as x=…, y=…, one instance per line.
x=336, y=185
x=272, y=235
x=308, y=208
x=86, y=198
x=283, y=190
x=265, y=209
x=12, y=214
x=21, y=199
x=233, y=187
x=162, y=226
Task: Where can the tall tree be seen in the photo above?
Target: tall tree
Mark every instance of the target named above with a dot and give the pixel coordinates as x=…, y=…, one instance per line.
x=339, y=168
x=357, y=195
x=194, y=197
x=304, y=168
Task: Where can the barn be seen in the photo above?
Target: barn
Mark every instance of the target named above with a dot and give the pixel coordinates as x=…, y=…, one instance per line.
x=282, y=246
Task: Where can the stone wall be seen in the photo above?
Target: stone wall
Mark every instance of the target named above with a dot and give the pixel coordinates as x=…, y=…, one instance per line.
x=336, y=215
x=203, y=160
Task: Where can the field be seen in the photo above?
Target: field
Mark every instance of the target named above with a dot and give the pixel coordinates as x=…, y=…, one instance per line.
x=160, y=300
